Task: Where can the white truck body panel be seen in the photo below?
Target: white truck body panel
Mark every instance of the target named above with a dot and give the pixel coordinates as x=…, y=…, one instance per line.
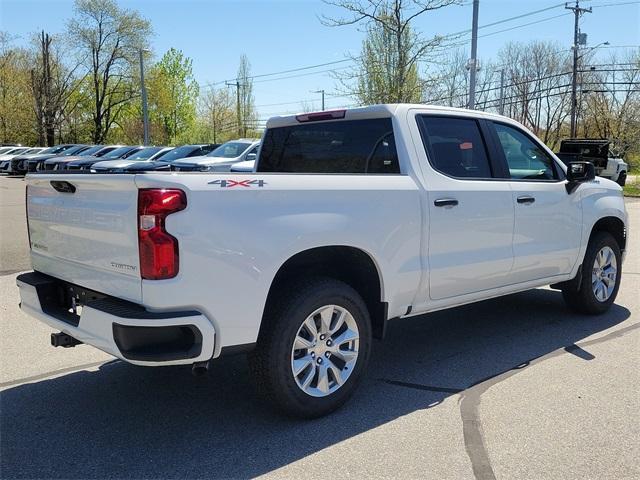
x=90, y=237
x=233, y=241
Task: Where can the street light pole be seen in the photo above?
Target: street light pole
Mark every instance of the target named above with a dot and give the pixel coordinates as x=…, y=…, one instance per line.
x=577, y=11
x=473, y=62
x=145, y=112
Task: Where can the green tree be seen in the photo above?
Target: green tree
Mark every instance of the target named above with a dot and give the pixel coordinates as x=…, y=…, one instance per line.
x=17, y=120
x=382, y=76
x=109, y=40
x=173, y=96
x=246, y=102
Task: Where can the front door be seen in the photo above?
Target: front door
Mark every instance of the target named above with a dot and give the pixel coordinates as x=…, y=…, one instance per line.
x=548, y=220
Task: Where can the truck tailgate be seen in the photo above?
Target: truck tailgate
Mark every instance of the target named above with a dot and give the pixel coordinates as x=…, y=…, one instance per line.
x=84, y=229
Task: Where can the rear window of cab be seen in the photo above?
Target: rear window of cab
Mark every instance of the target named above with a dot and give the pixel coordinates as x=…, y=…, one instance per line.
x=346, y=146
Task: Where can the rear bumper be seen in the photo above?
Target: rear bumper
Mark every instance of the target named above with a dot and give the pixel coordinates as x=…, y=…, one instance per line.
x=120, y=328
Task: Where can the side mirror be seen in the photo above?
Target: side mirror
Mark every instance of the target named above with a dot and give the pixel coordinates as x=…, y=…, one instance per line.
x=251, y=156
x=579, y=172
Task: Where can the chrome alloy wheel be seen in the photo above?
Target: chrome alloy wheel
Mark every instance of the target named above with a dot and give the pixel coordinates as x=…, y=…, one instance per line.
x=604, y=274
x=325, y=351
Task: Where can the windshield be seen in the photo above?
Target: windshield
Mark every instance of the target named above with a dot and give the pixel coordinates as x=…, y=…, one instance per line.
x=50, y=150
x=144, y=153
x=32, y=151
x=61, y=148
x=5, y=150
x=117, y=153
x=161, y=155
x=176, y=153
x=74, y=150
x=90, y=151
x=230, y=150
x=18, y=151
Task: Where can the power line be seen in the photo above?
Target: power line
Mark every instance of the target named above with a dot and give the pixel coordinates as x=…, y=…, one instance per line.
x=615, y=4
x=505, y=20
x=309, y=67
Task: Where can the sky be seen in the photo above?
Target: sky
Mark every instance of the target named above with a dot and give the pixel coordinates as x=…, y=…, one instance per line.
x=279, y=35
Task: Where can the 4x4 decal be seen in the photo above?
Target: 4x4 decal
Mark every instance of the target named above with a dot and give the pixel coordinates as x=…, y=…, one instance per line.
x=238, y=183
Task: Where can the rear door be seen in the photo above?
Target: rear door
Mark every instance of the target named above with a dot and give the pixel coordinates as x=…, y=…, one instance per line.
x=548, y=220
x=84, y=229
x=469, y=206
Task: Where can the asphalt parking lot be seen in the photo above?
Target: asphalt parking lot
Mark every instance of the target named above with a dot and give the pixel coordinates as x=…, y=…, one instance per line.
x=516, y=387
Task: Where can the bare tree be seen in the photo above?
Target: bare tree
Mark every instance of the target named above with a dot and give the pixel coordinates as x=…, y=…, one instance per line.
x=387, y=69
x=52, y=84
x=611, y=99
x=217, y=111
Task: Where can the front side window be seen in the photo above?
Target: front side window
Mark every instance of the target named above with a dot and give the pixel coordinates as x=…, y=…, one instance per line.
x=526, y=159
x=347, y=146
x=455, y=146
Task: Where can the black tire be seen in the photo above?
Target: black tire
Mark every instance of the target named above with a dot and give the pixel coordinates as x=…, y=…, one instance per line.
x=270, y=362
x=622, y=179
x=583, y=299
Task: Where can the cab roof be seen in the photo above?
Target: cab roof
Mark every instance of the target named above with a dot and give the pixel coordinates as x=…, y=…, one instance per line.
x=375, y=111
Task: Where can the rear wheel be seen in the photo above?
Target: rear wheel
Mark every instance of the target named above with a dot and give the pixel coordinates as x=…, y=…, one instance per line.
x=599, y=277
x=313, y=348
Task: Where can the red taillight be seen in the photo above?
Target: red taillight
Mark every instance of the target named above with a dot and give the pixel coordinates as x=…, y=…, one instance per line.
x=158, y=249
x=318, y=116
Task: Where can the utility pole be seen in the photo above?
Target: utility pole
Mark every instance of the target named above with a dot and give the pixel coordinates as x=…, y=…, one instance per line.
x=473, y=61
x=322, y=92
x=238, y=112
x=145, y=112
x=501, y=104
x=577, y=11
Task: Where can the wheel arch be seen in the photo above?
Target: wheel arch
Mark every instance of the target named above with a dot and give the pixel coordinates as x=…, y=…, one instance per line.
x=348, y=264
x=614, y=226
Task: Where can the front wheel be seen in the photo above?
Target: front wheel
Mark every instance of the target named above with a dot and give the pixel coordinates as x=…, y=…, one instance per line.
x=313, y=348
x=600, y=277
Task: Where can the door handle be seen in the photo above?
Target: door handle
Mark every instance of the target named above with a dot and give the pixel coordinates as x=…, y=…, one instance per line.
x=445, y=202
x=526, y=199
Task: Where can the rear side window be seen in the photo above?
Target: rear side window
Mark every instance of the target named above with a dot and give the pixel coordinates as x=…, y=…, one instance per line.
x=455, y=146
x=349, y=146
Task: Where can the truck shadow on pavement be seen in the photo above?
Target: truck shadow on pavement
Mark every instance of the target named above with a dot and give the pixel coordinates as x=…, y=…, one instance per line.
x=126, y=421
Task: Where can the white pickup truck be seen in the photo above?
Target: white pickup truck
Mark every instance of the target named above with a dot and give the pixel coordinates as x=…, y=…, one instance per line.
x=352, y=218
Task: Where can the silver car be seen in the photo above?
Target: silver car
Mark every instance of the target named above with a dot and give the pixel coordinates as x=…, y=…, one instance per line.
x=220, y=159
x=147, y=154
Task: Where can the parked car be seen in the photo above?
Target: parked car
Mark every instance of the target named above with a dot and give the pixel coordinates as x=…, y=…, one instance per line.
x=87, y=162
x=220, y=159
x=354, y=218
x=18, y=164
x=36, y=163
x=164, y=163
x=4, y=150
x=57, y=163
x=598, y=152
x=246, y=166
x=145, y=155
x=12, y=152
